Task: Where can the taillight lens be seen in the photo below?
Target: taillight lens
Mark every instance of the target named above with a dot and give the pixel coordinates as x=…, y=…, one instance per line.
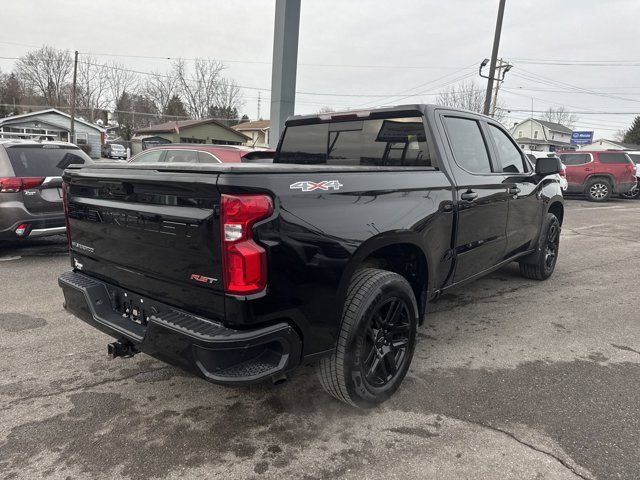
x=66, y=212
x=631, y=167
x=18, y=184
x=244, y=261
x=563, y=171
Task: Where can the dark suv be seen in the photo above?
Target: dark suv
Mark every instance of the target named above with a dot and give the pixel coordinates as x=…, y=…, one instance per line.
x=598, y=174
x=31, y=186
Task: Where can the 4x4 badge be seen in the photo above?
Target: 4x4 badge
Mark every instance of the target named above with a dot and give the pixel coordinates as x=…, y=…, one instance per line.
x=308, y=186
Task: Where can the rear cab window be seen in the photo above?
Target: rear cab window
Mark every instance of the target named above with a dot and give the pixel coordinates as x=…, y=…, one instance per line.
x=44, y=160
x=396, y=141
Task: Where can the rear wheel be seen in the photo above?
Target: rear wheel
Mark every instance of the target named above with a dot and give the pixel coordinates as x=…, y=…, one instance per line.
x=376, y=341
x=542, y=263
x=598, y=190
x=631, y=194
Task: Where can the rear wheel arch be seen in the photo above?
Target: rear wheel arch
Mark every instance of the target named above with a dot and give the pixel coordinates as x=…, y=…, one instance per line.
x=401, y=256
x=599, y=176
x=558, y=210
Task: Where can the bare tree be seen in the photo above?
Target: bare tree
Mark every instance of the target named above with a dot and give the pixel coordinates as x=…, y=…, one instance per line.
x=560, y=115
x=47, y=72
x=161, y=89
x=468, y=96
x=205, y=91
x=92, y=90
x=325, y=109
x=120, y=81
x=199, y=87
x=228, y=96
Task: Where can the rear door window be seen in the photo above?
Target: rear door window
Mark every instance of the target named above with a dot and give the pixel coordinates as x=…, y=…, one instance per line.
x=382, y=142
x=44, y=160
x=571, y=159
x=467, y=143
x=206, y=157
x=612, y=158
x=154, y=156
x=181, y=156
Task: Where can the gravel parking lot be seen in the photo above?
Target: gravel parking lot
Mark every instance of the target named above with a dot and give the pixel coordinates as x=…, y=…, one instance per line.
x=512, y=379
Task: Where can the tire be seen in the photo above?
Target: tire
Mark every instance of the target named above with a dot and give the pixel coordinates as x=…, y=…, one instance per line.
x=376, y=340
x=598, y=190
x=631, y=194
x=541, y=264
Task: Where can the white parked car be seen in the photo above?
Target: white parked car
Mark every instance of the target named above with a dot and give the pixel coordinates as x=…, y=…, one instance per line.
x=635, y=192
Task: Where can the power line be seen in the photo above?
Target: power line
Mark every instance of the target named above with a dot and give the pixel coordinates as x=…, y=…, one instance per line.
x=579, y=63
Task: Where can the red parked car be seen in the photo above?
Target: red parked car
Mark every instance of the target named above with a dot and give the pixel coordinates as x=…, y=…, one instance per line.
x=203, y=153
x=598, y=174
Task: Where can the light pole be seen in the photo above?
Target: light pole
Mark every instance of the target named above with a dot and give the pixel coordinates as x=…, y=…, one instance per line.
x=285, y=62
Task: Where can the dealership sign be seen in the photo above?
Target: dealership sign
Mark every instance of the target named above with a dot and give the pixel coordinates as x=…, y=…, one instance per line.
x=581, y=138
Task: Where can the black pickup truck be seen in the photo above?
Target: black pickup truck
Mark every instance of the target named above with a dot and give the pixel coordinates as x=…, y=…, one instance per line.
x=242, y=272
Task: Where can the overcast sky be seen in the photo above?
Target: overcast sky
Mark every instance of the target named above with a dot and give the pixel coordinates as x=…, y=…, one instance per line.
x=373, y=47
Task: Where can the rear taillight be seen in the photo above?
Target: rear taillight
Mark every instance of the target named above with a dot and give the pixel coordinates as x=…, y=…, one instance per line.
x=66, y=212
x=563, y=172
x=244, y=261
x=18, y=184
x=631, y=167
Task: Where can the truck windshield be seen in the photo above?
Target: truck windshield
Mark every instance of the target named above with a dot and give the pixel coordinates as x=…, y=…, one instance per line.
x=385, y=142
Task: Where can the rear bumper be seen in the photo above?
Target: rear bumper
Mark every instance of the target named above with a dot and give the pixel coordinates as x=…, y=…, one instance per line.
x=37, y=225
x=219, y=354
x=624, y=187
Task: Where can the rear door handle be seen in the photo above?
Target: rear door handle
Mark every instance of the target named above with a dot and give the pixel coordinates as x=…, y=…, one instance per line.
x=513, y=190
x=588, y=169
x=469, y=196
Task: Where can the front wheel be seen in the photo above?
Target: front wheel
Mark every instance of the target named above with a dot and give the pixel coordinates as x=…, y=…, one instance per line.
x=541, y=264
x=376, y=339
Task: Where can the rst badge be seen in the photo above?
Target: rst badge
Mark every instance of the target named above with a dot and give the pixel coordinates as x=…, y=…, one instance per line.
x=202, y=278
x=307, y=186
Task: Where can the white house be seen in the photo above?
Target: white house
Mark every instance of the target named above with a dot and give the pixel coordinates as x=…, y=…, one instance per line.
x=257, y=131
x=536, y=134
x=603, y=144
x=52, y=124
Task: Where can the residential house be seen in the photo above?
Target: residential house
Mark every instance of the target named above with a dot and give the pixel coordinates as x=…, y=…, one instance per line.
x=52, y=124
x=603, y=144
x=186, y=131
x=257, y=131
x=540, y=135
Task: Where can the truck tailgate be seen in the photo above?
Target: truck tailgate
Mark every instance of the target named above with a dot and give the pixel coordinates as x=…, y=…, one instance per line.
x=152, y=232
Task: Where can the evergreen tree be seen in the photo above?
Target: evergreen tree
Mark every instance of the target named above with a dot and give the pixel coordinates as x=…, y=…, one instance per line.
x=175, y=108
x=633, y=134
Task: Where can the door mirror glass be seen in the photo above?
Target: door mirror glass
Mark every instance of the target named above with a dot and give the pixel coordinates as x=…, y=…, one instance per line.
x=548, y=165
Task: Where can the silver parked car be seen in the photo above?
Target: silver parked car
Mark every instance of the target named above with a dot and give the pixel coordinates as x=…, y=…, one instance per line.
x=31, y=186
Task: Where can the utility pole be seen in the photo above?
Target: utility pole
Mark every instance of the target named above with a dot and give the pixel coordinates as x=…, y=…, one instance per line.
x=258, y=105
x=284, y=66
x=502, y=69
x=494, y=58
x=73, y=98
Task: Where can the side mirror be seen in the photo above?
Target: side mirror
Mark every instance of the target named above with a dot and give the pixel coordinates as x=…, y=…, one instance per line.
x=548, y=165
